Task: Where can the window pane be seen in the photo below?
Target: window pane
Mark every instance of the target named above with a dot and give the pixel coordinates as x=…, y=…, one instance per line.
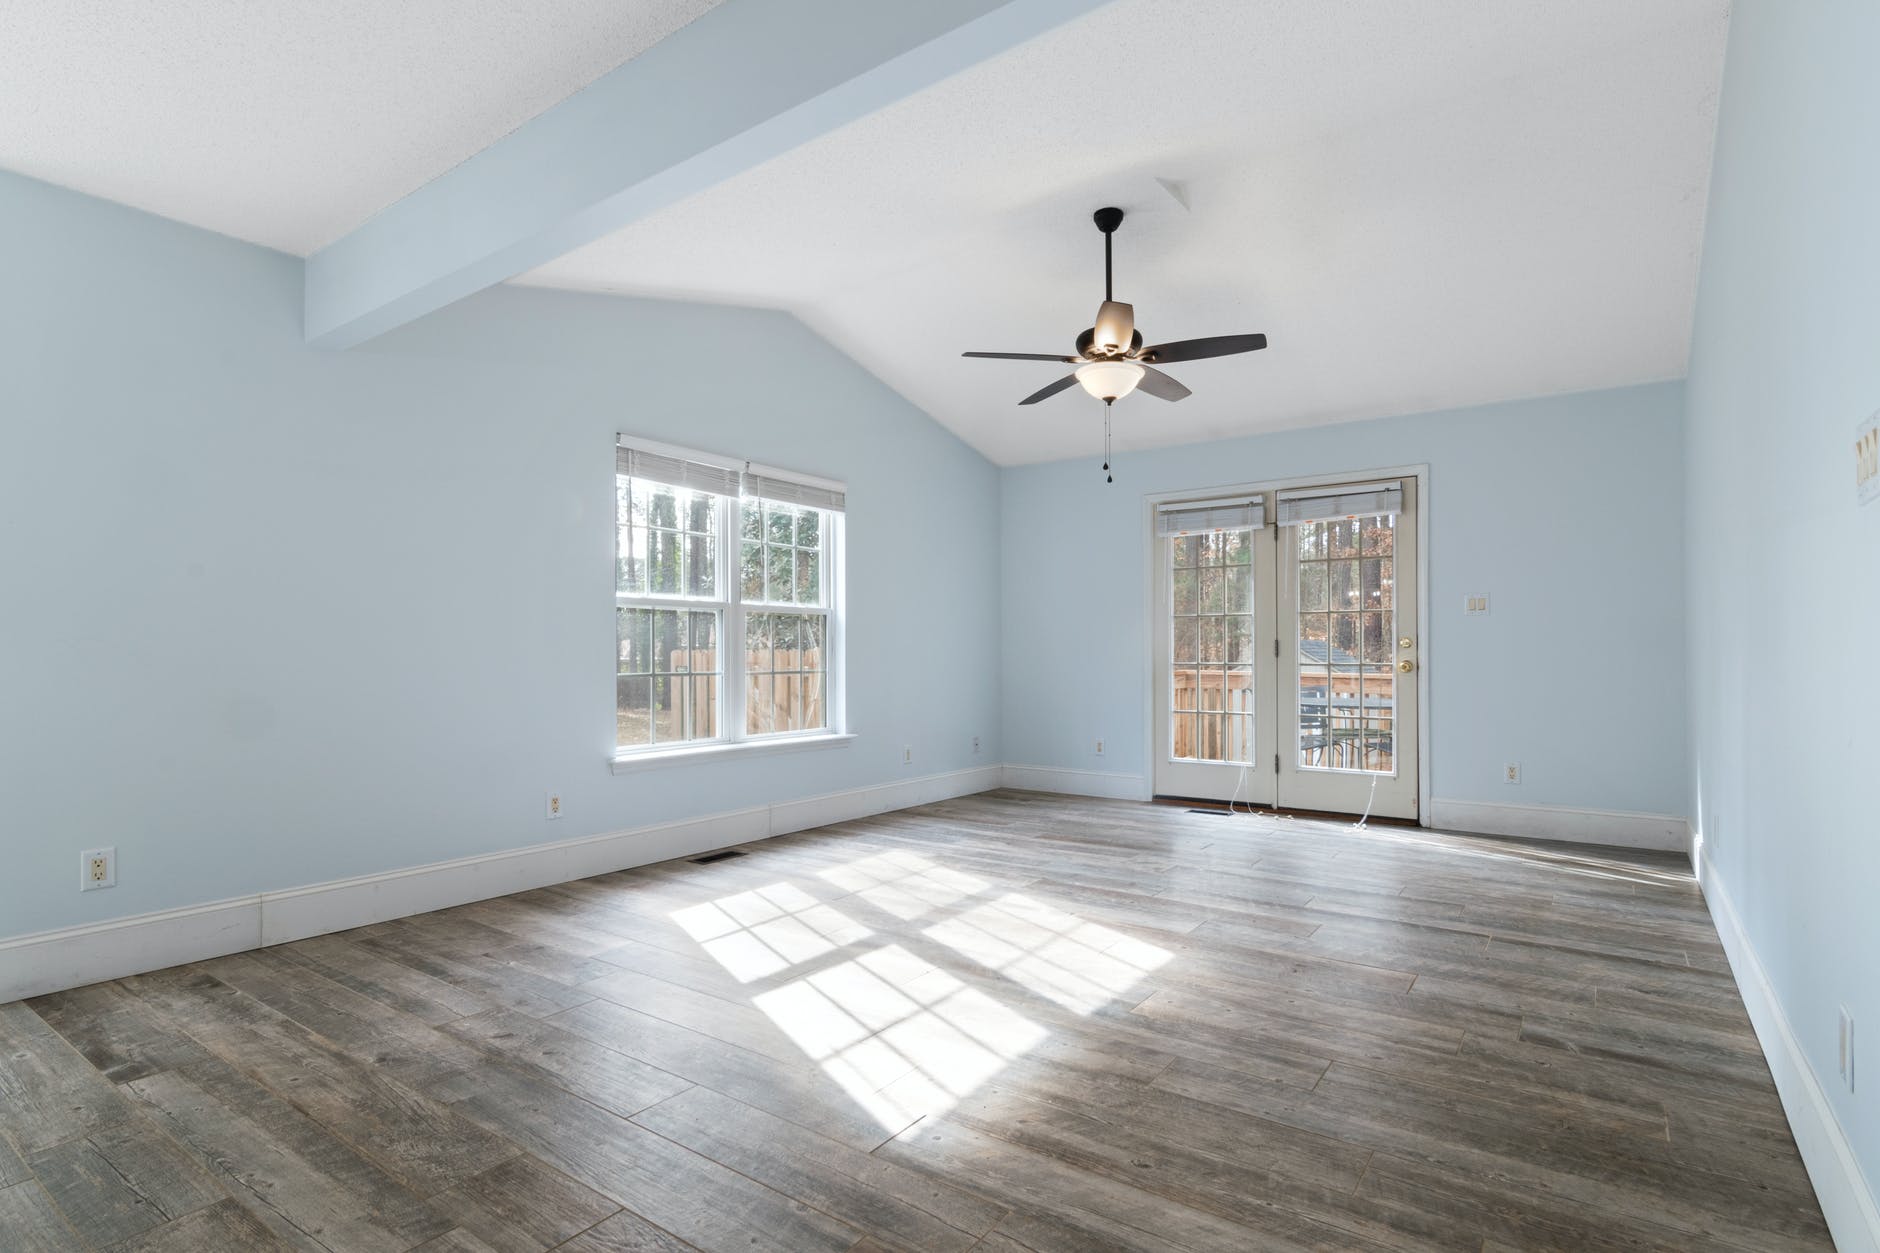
x=1380, y=685
x=757, y=643
x=1187, y=593
x=1344, y=639
x=808, y=528
x=633, y=630
x=750, y=519
x=1311, y=540
x=1380, y=535
x=1213, y=588
x=1374, y=588
x=663, y=562
x=1312, y=585
x=1240, y=639
x=1212, y=681
x=1239, y=690
x=1186, y=644
x=1185, y=548
x=1213, y=639
x=780, y=576
x=1377, y=641
x=753, y=571
x=701, y=565
x=633, y=701
x=1239, y=590
x=1181, y=735
x=1344, y=584
x=808, y=578
x=1239, y=548
x=1341, y=538
x=779, y=523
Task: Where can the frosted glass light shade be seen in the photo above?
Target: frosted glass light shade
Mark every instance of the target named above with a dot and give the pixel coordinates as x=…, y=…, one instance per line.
x=1109, y=380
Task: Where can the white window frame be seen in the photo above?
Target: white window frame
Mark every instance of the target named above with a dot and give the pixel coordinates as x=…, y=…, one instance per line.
x=729, y=602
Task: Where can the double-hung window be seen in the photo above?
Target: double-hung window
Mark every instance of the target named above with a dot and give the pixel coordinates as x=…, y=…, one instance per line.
x=725, y=601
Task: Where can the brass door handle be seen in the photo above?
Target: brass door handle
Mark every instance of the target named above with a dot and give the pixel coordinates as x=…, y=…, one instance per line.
x=1406, y=666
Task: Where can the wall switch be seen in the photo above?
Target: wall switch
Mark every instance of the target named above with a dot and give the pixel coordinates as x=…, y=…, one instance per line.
x=1099, y=748
x=1847, y=1049
x=1511, y=773
x=554, y=804
x=907, y=755
x=97, y=868
x=1475, y=604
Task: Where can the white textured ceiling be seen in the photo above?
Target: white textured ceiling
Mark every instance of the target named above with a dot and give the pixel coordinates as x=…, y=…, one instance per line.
x=1423, y=205
x=289, y=122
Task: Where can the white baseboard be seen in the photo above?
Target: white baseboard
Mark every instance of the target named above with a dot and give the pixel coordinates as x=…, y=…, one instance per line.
x=1122, y=787
x=1551, y=822
x=73, y=956
x=1846, y=1196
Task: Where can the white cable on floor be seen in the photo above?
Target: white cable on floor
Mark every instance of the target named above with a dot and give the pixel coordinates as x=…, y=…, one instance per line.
x=1369, y=801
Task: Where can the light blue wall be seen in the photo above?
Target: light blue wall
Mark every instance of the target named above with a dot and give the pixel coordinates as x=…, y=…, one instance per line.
x=1784, y=570
x=273, y=616
x=1566, y=511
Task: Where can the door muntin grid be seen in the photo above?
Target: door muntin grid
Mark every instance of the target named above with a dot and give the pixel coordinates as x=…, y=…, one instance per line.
x=1345, y=707
x=1210, y=657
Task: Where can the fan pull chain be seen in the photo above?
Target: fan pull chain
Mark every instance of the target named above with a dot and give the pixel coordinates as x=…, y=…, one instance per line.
x=1107, y=476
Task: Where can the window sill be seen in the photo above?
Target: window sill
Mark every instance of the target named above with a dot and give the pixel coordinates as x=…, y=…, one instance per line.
x=632, y=762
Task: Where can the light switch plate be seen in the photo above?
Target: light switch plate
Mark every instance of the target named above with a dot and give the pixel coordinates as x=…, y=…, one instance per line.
x=1475, y=604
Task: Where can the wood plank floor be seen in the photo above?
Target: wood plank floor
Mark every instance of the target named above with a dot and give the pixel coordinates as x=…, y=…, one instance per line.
x=1005, y=1022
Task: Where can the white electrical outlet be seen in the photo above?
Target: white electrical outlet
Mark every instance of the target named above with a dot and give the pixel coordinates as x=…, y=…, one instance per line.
x=97, y=868
x=1847, y=1049
x=1099, y=748
x=907, y=755
x=1511, y=773
x=554, y=805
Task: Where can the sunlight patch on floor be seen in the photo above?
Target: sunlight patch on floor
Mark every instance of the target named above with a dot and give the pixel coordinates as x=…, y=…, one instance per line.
x=767, y=930
x=904, y=884
x=1080, y=965
x=902, y=1036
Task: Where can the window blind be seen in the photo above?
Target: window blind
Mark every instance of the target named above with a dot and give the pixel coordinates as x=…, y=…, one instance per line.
x=794, y=492
x=675, y=471
x=1315, y=504
x=1189, y=516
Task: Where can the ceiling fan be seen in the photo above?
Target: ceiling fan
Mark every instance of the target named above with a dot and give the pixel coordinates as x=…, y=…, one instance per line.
x=1111, y=360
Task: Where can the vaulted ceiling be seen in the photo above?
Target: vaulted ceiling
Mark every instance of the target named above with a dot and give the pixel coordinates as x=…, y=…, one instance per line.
x=1423, y=205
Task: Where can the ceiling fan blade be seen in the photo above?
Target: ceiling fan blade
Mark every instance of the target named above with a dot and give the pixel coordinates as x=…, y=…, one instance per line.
x=1160, y=385
x=1045, y=393
x=1021, y=356
x=1197, y=349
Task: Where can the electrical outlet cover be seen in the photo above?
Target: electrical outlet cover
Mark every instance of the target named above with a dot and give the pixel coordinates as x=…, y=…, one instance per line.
x=554, y=805
x=97, y=868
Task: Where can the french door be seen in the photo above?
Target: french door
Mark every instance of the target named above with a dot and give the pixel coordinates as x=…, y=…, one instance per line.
x=1286, y=650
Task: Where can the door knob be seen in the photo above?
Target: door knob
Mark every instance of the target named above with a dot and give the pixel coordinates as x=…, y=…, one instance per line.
x=1406, y=666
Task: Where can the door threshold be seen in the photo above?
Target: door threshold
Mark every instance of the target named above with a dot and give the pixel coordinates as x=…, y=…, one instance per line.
x=1196, y=804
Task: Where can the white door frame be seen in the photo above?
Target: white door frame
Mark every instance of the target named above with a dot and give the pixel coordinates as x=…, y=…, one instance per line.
x=1426, y=644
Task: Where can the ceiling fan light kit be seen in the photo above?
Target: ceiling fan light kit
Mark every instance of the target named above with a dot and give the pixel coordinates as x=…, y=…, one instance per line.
x=1109, y=380
x=1111, y=361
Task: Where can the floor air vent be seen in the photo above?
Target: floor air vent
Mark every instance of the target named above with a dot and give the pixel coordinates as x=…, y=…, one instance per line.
x=724, y=854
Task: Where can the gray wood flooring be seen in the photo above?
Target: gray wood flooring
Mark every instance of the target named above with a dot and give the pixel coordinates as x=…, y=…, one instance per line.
x=1007, y=1022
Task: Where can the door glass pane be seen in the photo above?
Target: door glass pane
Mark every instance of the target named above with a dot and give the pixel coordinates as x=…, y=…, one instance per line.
x=1210, y=678
x=1346, y=699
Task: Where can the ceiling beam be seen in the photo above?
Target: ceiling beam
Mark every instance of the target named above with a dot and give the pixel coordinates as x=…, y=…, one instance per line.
x=745, y=82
